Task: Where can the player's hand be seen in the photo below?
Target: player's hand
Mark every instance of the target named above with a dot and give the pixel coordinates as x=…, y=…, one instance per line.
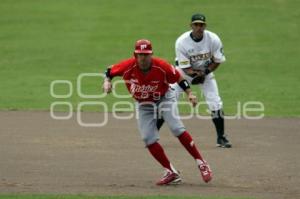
x=107, y=86
x=192, y=72
x=193, y=99
x=198, y=77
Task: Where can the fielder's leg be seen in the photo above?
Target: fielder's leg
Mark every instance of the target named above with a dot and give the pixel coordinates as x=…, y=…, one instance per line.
x=215, y=104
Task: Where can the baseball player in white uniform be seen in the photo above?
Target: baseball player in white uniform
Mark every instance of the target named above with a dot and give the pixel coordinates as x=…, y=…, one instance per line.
x=199, y=52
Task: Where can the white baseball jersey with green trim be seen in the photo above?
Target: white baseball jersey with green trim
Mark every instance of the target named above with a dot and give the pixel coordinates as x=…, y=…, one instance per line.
x=198, y=55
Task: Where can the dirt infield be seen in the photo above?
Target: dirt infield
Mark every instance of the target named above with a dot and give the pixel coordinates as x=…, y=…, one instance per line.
x=42, y=155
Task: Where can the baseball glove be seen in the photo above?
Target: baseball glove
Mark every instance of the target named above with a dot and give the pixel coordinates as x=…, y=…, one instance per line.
x=198, y=79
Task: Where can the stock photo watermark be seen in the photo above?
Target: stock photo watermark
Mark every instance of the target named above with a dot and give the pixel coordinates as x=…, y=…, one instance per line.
x=252, y=110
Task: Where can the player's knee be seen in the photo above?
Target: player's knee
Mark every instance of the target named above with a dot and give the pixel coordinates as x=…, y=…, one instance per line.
x=215, y=105
x=178, y=131
x=150, y=140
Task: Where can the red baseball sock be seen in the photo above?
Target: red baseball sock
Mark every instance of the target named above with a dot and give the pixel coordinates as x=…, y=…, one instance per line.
x=187, y=141
x=158, y=153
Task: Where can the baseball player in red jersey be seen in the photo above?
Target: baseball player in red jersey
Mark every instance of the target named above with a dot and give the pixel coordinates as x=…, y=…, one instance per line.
x=148, y=80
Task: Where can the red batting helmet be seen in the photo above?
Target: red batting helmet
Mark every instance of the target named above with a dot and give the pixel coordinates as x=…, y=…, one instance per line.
x=143, y=46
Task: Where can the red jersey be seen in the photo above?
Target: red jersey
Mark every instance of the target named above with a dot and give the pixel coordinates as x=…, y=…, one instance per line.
x=150, y=86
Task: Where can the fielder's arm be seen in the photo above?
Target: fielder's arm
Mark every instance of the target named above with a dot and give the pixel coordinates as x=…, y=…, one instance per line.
x=211, y=67
x=192, y=73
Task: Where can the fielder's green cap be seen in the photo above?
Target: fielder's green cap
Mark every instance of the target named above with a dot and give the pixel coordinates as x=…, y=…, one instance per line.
x=198, y=18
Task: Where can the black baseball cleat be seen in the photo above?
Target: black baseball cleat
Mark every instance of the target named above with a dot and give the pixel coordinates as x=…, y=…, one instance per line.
x=223, y=142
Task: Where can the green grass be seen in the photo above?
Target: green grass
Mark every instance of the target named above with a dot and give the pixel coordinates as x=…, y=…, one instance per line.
x=104, y=197
x=42, y=41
